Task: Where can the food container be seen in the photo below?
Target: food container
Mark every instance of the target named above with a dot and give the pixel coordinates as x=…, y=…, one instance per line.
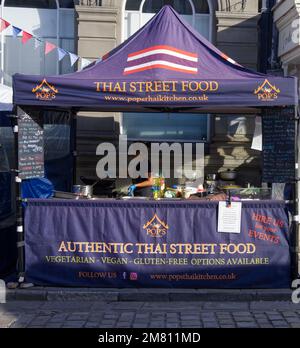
x=211, y=177
x=229, y=175
x=83, y=190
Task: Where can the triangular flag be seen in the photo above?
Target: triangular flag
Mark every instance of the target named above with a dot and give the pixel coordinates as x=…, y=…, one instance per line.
x=26, y=36
x=16, y=31
x=37, y=43
x=73, y=58
x=4, y=24
x=85, y=62
x=61, y=53
x=49, y=47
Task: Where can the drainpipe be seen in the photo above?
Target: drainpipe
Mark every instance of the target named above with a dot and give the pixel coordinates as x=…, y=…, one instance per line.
x=275, y=63
x=264, y=5
x=2, y=44
x=263, y=37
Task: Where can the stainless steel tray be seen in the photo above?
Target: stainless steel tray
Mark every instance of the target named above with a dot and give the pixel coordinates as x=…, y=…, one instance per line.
x=66, y=195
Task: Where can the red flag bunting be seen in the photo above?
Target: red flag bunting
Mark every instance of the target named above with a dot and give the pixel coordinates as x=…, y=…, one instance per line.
x=49, y=47
x=3, y=25
x=25, y=37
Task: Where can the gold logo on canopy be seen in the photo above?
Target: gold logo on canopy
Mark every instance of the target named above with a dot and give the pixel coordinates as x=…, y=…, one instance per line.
x=45, y=91
x=156, y=227
x=267, y=92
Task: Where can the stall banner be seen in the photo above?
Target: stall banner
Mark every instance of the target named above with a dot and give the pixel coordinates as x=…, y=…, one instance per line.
x=165, y=65
x=147, y=244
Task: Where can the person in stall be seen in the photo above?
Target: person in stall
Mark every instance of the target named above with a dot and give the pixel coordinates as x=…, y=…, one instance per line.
x=142, y=186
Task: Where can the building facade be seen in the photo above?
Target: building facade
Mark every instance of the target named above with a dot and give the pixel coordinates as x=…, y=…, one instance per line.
x=287, y=20
x=91, y=28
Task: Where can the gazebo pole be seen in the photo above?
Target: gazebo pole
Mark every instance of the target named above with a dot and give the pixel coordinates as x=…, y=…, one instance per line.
x=19, y=208
x=297, y=193
x=73, y=123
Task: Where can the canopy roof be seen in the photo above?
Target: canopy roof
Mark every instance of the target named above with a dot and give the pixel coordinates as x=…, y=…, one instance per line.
x=165, y=65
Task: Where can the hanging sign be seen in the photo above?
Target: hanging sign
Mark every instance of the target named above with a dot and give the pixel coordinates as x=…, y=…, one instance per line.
x=229, y=217
x=279, y=145
x=30, y=146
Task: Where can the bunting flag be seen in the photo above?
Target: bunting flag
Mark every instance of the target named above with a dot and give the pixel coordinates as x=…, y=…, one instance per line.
x=3, y=25
x=26, y=36
x=73, y=58
x=37, y=43
x=84, y=63
x=49, y=47
x=61, y=53
x=16, y=31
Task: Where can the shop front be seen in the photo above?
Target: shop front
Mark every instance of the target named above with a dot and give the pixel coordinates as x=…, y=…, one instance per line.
x=217, y=236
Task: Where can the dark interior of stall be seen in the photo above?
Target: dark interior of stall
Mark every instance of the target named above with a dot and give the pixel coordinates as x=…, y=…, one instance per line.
x=59, y=145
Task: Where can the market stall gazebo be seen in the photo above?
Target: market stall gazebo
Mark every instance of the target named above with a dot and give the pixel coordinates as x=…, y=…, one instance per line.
x=165, y=66
x=165, y=58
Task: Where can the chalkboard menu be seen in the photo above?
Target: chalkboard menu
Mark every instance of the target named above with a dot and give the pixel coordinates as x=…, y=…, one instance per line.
x=31, y=146
x=278, y=129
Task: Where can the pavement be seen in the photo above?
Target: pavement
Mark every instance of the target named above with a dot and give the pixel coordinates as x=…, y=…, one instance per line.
x=148, y=308
x=135, y=314
x=146, y=294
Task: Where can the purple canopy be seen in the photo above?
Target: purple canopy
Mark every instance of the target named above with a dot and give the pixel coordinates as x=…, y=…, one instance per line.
x=165, y=65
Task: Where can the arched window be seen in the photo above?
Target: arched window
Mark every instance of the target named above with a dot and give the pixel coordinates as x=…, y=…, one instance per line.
x=200, y=6
x=196, y=12
x=181, y=6
x=50, y=20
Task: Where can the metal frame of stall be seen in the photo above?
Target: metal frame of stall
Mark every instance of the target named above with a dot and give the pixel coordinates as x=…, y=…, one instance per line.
x=19, y=212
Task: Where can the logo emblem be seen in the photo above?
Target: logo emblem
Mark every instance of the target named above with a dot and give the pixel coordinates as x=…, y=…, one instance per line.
x=45, y=91
x=162, y=57
x=156, y=227
x=133, y=276
x=267, y=91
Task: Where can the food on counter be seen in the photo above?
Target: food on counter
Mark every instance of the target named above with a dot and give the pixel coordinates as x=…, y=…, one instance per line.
x=158, y=187
x=215, y=197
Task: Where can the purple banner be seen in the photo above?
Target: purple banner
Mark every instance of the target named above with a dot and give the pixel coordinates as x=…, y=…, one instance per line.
x=110, y=243
x=165, y=64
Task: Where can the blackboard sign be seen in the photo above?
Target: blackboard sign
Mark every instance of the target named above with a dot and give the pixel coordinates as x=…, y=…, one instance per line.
x=31, y=146
x=278, y=127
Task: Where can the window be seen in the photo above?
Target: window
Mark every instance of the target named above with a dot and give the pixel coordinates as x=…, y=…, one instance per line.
x=68, y=3
x=38, y=17
x=41, y=3
x=31, y=3
x=166, y=126
x=181, y=6
x=163, y=126
x=201, y=7
x=133, y=5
